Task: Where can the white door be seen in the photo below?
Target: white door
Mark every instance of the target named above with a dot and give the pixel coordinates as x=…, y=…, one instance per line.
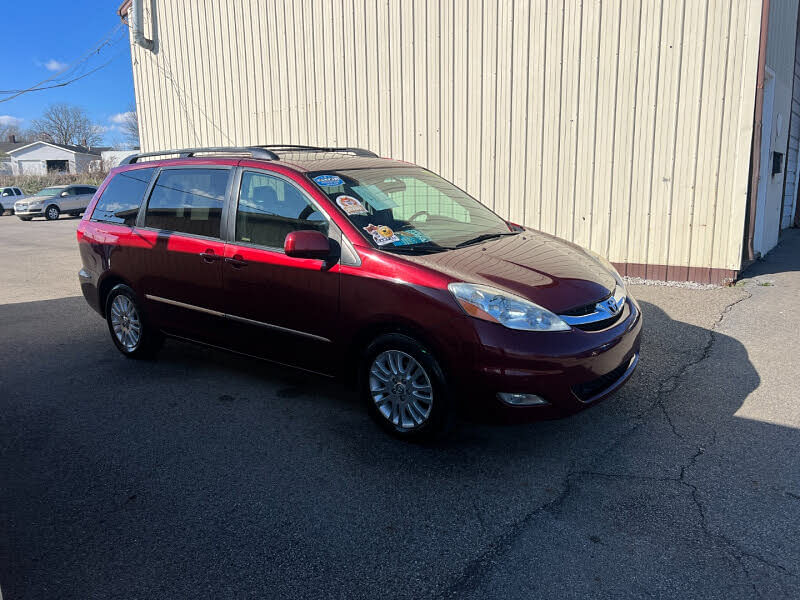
x=764, y=172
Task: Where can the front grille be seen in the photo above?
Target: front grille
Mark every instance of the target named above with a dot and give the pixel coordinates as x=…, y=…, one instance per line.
x=588, y=390
x=600, y=325
x=586, y=309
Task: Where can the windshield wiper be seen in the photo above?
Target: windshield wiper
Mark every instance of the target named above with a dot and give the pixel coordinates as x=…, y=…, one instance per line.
x=485, y=236
x=417, y=249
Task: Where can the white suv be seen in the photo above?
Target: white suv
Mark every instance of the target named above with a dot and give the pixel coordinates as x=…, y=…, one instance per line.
x=52, y=201
x=8, y=196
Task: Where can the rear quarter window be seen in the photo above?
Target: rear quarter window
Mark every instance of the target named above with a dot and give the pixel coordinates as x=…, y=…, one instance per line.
x=122, y=197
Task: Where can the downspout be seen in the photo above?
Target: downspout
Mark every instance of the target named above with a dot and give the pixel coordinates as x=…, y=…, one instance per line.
x=137, y=19
x=755, y=155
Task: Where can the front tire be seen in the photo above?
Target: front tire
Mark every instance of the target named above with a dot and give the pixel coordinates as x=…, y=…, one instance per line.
x=405, y=389
x=52, y=213
x=130, y=331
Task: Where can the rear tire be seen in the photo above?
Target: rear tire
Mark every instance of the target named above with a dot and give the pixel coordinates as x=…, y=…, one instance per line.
x=127, y=323
x=52, y=213
x=405, y=389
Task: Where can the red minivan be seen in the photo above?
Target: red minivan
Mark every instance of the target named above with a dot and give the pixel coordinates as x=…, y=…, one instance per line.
x=339, y=262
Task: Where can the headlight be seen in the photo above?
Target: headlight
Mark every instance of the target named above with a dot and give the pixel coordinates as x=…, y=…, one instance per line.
x=490, y=304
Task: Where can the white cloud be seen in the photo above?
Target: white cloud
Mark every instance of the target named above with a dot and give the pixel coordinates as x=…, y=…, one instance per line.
x=54, y=65
x=9, y=120
x=120, y=118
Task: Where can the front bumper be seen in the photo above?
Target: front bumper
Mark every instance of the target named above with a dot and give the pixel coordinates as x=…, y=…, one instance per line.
x=29, y=212
x=571, y=370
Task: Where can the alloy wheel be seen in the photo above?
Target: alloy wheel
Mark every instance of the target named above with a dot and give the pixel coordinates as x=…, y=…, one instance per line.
x=126, y=322
x=52, y=213
x=401, y=389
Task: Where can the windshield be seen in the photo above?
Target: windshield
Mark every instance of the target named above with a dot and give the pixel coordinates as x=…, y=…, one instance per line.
x=406, y=209
x=48, y=191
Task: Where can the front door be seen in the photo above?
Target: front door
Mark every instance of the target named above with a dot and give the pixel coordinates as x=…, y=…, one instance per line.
x=69, y=199
x=182, y=266
x=282, y=308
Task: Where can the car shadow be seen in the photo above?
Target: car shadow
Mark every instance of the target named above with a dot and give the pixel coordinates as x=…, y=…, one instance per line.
x=201, y=468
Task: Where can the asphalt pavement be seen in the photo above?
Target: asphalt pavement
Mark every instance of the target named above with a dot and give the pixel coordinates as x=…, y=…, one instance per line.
x=208, y=475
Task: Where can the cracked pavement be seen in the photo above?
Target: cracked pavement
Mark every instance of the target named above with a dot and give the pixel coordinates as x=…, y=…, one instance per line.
x=207, y=475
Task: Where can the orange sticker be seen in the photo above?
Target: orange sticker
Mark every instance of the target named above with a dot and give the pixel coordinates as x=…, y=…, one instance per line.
x=350, y=205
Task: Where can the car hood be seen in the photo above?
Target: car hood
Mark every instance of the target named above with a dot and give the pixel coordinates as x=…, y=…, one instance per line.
x=551, y=272
x=36, y=198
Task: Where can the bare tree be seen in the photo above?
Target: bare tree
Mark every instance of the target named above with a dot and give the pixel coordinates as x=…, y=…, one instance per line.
x=66, y=124
x=130, y=127
x=9, y=129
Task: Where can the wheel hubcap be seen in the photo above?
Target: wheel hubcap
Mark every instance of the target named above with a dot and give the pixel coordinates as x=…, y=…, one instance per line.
x=125, y=322
x=401, y=389
x=53, y=213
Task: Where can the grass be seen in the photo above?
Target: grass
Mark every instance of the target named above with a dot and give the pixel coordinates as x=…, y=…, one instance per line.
x=30, y=184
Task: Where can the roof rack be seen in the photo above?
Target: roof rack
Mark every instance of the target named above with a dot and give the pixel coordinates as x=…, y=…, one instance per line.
x=301, y=148
x=260, y=152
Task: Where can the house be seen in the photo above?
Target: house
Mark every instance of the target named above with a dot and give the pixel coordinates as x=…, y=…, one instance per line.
x=662, y=134
x=40, y=158
x=112, y=158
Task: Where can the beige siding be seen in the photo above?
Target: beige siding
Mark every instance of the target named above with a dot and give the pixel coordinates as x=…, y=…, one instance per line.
x=623, y=126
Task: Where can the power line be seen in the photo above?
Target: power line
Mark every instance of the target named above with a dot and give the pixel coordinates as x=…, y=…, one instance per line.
x=65, y=83
x=105, y=41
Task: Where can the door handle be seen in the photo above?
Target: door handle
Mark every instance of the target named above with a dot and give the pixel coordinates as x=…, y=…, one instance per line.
x=209, y=256
x=236, y=261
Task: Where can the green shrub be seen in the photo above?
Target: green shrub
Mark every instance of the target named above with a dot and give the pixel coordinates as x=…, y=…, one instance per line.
x=30, y=184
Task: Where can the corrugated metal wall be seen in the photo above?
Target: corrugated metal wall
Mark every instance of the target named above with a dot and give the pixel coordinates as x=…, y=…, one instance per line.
x=790, y=187
x=780, y=58
x=622, y=125
x=790, y=191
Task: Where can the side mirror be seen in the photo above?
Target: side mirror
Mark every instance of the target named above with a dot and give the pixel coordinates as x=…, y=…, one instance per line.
x=307, y=244
x=64, y=194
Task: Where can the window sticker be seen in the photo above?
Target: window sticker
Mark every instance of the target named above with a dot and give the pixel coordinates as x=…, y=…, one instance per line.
x=350, y=205
x=328, y=180
x=410, y=236
x=381, y=234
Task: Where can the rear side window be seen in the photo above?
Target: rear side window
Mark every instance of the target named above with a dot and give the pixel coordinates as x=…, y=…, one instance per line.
x=121, y=198
x=188, y=201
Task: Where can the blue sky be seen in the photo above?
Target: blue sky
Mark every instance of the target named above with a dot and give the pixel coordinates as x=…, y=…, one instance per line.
x=44, y=36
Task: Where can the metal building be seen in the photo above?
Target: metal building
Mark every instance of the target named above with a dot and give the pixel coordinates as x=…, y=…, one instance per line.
x=661, y=133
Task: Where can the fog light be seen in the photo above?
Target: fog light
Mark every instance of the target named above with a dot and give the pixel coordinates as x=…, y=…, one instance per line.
x=522, y=399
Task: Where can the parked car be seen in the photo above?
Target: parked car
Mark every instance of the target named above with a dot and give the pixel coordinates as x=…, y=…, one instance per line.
x=51, y=202
x=8, y=196
x=340, y=262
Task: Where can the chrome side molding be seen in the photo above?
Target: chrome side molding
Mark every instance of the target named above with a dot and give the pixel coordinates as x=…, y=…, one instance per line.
x=245, y=320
